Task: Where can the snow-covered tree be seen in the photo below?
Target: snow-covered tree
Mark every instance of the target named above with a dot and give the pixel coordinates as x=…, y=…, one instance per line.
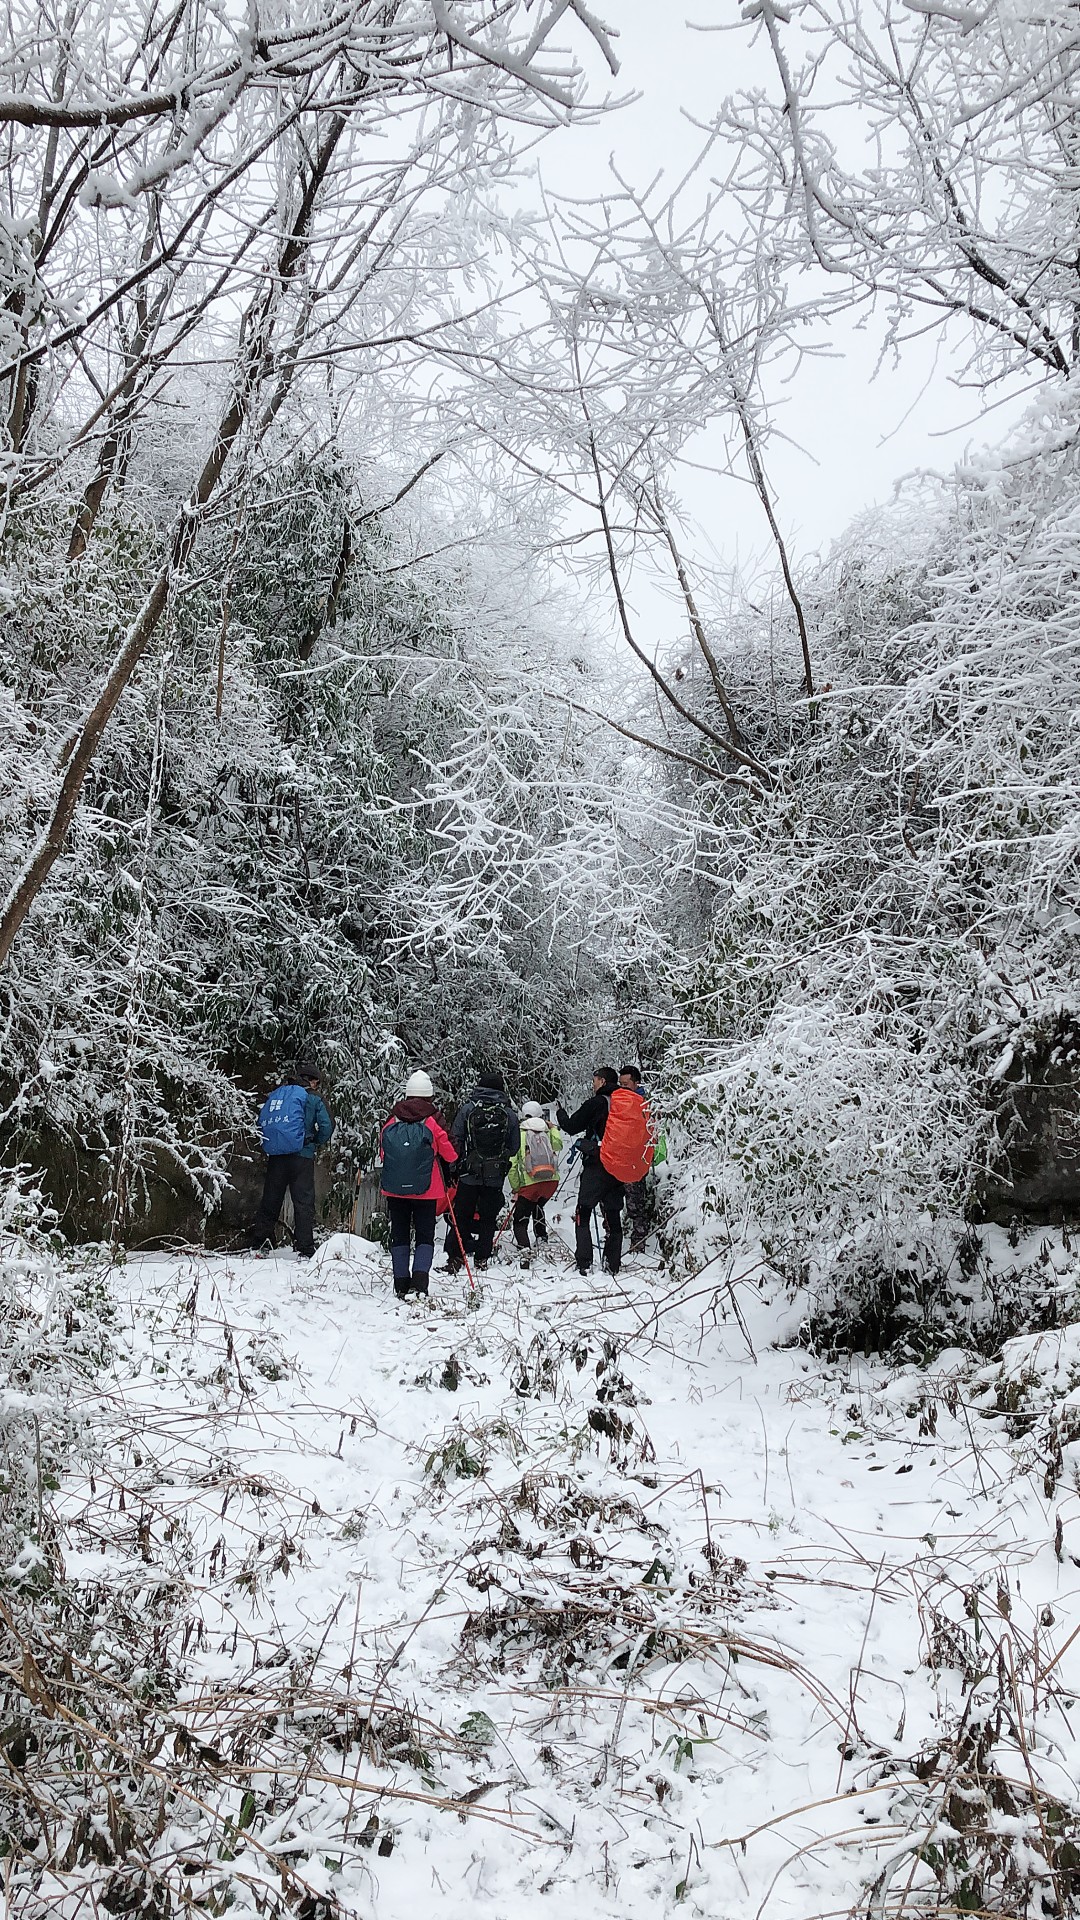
x=225, y=193
x=894, y=948
x=922, y=156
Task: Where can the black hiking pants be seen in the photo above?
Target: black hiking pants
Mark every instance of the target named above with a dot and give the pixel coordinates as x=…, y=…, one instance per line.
x=405, y=1215
x=476, y=1210
x=637, y=1213
x=287, y=1173
x=599, y=1188
x=524, y=1211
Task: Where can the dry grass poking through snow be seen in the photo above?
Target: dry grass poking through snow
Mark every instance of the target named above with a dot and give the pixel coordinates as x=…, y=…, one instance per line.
x=559, y=1599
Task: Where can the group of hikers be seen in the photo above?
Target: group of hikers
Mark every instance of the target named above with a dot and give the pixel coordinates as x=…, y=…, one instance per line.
x=429, y=1171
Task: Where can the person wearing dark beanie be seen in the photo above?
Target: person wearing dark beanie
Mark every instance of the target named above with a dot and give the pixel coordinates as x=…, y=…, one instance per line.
x=486, y=1134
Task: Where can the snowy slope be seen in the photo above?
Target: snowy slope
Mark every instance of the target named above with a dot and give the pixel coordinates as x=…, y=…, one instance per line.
x=574, y=1592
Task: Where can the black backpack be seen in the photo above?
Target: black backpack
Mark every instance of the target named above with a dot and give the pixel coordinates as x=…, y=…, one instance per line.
x=486, y=1157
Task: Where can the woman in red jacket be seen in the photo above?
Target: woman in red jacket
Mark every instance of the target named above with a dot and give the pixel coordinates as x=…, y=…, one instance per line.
x=411, y=1146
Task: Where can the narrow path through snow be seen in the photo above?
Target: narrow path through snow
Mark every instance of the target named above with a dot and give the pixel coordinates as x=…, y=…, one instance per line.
x=573, y=1590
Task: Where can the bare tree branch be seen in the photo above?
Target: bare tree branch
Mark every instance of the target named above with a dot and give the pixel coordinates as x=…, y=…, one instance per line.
x=694, y=720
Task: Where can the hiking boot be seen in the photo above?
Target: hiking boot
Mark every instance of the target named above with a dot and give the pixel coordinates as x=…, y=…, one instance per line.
x=524, y=1259
x=401, y=1289
x=420, y=1284
x=583, y=1270
x=481, y=1266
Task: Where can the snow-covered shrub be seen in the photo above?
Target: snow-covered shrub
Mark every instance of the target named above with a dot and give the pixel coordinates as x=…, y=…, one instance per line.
x=894, y=934
x=1034, y=1388
x=989, y=1820
x=837, y=1145
x=53, y=1336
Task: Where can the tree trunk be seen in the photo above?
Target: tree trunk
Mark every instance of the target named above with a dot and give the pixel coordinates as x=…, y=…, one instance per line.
x=256, y=332
x=80, y=750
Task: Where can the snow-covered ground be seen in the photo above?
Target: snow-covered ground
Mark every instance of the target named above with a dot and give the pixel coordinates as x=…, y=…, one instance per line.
x=575, y=1595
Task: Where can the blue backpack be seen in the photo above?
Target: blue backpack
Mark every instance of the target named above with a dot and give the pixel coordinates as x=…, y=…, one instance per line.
x=408, y=1158
x=281, y=1121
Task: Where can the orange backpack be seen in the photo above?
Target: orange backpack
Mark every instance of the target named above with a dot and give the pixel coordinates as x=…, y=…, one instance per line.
x=628, y=1145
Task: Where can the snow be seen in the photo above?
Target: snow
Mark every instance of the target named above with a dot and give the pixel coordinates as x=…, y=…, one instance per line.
x=567, y=1590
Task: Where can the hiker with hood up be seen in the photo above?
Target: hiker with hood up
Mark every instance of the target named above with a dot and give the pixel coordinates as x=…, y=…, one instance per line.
x=293, y=1122
x=412, y=1144
x=534, y=1176
x=598, y=1187
x=485, y=1134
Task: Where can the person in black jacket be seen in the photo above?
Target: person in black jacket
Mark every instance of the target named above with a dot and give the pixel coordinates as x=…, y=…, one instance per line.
x=487, y=1134
x=598, y=1187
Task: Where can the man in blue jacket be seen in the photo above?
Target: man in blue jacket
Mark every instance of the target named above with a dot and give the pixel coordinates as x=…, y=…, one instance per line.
x=293, y=1121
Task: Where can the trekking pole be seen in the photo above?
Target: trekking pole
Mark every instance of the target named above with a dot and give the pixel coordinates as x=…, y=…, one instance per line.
x=461, y=1243
x=570, y=1158
x=559, y=1188
x=505, y=1224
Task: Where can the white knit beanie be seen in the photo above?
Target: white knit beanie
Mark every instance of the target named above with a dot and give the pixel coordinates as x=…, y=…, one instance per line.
x=418, y=1086
x=532, y=1110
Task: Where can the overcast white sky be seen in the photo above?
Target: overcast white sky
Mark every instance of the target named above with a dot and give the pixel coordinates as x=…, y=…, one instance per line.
x=860, y=433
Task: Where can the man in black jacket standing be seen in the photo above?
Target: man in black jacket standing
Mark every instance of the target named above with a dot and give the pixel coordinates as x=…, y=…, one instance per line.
x=598, y=1187
x=487, y=1134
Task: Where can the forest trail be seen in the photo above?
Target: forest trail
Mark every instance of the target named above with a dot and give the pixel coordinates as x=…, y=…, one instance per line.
x=559, y=1593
